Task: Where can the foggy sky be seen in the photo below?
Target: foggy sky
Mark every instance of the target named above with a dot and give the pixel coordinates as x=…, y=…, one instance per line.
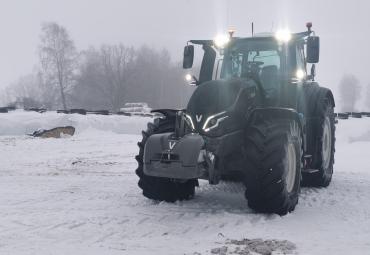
x=342, y=25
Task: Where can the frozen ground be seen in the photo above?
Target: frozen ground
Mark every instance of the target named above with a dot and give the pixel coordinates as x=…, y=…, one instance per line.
x=79, y=195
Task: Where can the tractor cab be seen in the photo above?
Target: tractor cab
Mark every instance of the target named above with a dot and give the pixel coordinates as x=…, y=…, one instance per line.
x=274, y=61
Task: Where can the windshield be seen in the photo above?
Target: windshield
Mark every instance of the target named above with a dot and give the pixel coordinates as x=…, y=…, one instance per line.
x=253, y=58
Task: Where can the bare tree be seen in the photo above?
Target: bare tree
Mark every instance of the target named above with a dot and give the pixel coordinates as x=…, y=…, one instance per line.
x=367, y=102
x=350, y=91
x=58, y=58
x=49, y=95
x=5, y=97
x=117, y=62
x=106, y=77
x=115, y=74
x=91, y=86
x=25, y=92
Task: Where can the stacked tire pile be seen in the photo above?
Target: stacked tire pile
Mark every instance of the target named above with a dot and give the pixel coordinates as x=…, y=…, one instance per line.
x=346, y=115
x=342, y=116
x=103, y=112
x=81, y=111
x=365, y=114
x=7, y=109
x=39, y=110
x=3, y=109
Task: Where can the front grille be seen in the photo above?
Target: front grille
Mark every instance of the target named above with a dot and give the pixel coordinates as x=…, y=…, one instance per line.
x=166, y=157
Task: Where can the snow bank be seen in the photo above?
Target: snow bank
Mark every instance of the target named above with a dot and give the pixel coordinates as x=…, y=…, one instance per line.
x=20, y=122
x=354, y=130
x=352, y=146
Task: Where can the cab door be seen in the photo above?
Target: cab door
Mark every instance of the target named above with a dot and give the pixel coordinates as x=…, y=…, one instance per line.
x=296, y=75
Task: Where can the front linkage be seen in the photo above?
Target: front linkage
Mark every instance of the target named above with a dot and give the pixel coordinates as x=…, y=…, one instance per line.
x=180, y=155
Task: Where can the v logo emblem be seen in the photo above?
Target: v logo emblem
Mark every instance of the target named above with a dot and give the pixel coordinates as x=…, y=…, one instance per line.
x=172, y=144
x=198, y=117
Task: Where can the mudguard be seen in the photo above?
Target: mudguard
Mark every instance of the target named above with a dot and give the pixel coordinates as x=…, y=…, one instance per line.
x=166, y=156
x=277, y=112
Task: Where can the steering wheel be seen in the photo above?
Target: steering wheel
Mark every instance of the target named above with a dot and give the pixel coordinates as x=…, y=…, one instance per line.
x=251, y=68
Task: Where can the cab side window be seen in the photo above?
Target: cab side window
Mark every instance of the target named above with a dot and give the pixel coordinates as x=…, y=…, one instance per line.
x=268, y=62
x=300, y=58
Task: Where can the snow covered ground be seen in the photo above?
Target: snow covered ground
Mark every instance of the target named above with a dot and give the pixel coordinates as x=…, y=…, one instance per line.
x=79, y=195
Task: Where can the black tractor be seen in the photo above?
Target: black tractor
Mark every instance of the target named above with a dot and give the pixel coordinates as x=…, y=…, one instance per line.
x=256, y=116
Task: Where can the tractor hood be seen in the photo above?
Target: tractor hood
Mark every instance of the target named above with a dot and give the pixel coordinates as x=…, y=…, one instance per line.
x=217, y=98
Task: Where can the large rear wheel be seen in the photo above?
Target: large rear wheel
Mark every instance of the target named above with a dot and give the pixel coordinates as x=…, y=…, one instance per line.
x=157, y=188
x=273, y=154
x=323, y=129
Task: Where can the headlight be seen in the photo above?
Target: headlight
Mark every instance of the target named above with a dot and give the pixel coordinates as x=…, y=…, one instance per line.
x=191, y=79
x=221, y=40
x=188, y=77
x=214, y=120
x=300, y=74
x=283, y=35
x=189, y=120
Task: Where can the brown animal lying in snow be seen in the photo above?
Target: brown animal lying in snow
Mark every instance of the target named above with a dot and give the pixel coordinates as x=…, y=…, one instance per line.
x=57, y=132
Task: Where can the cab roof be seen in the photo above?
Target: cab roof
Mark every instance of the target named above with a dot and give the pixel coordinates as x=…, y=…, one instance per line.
x=295, y=36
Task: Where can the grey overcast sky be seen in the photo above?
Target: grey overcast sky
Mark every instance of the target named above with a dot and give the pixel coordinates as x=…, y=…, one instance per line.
x=342, y=25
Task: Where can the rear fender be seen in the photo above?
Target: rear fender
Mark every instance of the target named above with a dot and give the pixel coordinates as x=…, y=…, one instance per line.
x=326, y=93
x=312, y=96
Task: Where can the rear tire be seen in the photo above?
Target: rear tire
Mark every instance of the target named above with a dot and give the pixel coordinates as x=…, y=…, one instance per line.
x=323, y=128
x=157, y=188
x=273, y=156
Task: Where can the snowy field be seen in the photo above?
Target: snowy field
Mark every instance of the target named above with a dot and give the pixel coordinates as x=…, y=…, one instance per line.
x=79, y=195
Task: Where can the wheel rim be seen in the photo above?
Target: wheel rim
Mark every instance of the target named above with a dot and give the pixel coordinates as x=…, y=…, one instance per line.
x=326, y=143
x=291, y=168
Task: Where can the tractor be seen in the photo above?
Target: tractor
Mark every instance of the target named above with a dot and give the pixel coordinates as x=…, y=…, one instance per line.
x=256, y=116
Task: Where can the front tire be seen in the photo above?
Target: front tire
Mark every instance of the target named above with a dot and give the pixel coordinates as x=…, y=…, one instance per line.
x=158, y=188
x=273, y=154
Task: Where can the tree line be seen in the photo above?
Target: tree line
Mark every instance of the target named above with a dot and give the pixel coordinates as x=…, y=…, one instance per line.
x=106, y=77
x=350, y=94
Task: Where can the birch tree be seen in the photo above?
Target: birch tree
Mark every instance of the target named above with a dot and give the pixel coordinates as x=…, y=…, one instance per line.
x=58, y=58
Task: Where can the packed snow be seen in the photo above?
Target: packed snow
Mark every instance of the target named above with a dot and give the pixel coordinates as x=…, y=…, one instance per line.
x=79, y=195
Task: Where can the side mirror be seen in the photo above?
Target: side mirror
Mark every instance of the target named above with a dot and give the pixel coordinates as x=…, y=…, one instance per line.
x=188, y=57
x=313, y=49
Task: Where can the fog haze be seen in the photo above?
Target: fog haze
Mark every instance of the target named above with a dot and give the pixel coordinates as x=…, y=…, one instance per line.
x=342, y=26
